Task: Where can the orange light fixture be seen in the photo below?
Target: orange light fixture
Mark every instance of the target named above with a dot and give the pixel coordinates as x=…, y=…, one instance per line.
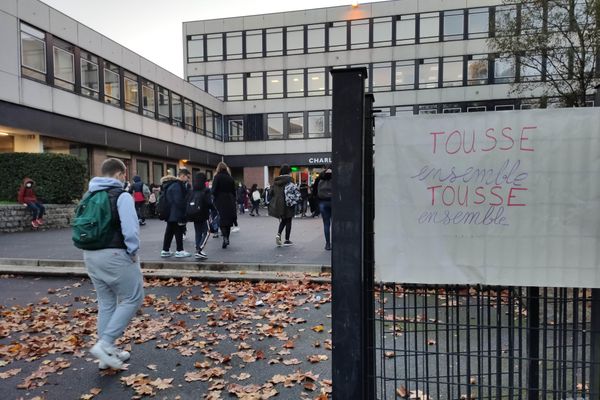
x=355, y=4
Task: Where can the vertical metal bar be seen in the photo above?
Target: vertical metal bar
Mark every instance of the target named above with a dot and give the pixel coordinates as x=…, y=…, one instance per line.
x=584, y=335
x=575, y=339
x=458, y=368
x=480, y=351
x=499, y=343
x=555, y=344
x=448, y=353
x=349, y=372
x=564, y=330
x=416, y=338
x=511, y=341
x=595, y=347
x=521, y=344
x=545, y=346
x=468, y=353
x=533, y=343
x=489, y=340
x=437, y=340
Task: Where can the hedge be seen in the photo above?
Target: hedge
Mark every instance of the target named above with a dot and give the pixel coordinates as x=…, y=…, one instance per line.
x=59, y=178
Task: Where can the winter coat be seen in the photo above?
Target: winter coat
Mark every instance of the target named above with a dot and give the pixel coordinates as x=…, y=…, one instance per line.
x=27, y=195
x=277, y=206
x=201, y=195
x=223, y=189
x=315, y=188
x=175, y=191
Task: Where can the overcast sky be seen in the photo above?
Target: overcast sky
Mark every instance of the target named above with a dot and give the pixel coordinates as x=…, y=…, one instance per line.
x=153, y=28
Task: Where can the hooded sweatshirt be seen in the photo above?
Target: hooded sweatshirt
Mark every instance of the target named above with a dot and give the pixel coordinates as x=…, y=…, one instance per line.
x=130, y=227
x=27, y=195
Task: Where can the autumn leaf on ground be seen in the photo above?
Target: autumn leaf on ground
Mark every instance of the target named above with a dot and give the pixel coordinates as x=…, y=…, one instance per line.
x=288, y=345
x=390, y=354
x=318, y=328
x=293, y=361
x=317, y=358
x=162, y=384
x=431, y=342
x=401, y=391
x=151, y=367
x=9, y=373
x=243, y=376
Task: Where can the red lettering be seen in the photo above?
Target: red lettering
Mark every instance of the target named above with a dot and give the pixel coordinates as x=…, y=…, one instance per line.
x=525, y=138
x=433, y=193
x=459, y=142
x=491, y=137
x=492, y=191
x=435, y=139
x=512, y=196
x=477, y=193
x=444, y=197
x=512, y=142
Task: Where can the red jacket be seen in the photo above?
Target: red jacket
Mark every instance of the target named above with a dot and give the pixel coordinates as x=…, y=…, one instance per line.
x=26, y=195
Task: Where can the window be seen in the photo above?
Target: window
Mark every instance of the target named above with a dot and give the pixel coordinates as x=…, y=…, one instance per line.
x=254, y=85
x=218, y=126
x=199, y=117
x=148, y=101
x=405, y=29
x=316, y=124
x=359, y=34
x=476, y=109
x=316, y=38
x=382, y=32
x=404, y=110
x=235, y=87
x=428, y=73
x=531, y=18
x=236, y=130
x=316, y=81
x=504, y=70
x=275, y=42
x=254, y=46
x=274, y=84
x=454, y=25
x=234, y=45
x=557, y=63
x=33, y=53
x=382, y=77
x=295, y=125
x=531, y=68
x=195, y=48
x=504, y=107
x=479, y=23
x=112, y=85
x=143, y=170
x=451, y=110
x=172, y=169
x=64, y=65
x=295, y=83
x=405, y=75
x=428, y=109
x=210, y=122
x=453, y=71
x=338, y=35
x=504, y=19
x=176, y=110
x=163, y=104
x=215, y=86
x=188, y=114
x=384, y=112
x=131, y=92
x=477, y=70
x=90, y=78
x=198, y=81
x=429, y=25
x=214, y=47
x=295, y=40
x=275, y=126
x=157, y=172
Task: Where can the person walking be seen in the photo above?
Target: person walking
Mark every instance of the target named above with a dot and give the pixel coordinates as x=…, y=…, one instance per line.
x=303, y=205
x=114, y=269
x=255, y=195
x=174, y=191
x=140, y=193
x=198, y=209
x=152, y=199
x=281, y=204
x=323, y=189
x=241, y=196
x=27, y=197
x=223, y=189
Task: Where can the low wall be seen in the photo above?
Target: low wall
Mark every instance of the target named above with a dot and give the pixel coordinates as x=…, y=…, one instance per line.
x=16, y=218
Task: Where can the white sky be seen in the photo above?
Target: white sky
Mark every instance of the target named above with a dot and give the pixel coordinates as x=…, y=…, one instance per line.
x=153, y=28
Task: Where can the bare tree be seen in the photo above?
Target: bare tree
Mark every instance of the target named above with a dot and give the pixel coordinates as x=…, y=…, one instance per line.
x=553, y=45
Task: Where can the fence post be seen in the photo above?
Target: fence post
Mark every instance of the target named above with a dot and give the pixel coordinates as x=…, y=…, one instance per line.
x=533, y=343
x=595, y=347
x=350, y=355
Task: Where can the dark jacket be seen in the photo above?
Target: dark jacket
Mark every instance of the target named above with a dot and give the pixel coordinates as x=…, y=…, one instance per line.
x=27, y=195
x=201, y=195
x=277, y=206
x=175, y=191
x=223, y=189
x=315, y=187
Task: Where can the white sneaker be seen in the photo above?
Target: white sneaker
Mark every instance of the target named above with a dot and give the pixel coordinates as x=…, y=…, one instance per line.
x=166, y=253
x=278, y=240
x=107, y=355
x=182, y=254
x=235, y=229
x=200, y=255
x=121, y=355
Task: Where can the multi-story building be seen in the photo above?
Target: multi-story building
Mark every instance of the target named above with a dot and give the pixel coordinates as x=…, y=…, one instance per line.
x=272, y=70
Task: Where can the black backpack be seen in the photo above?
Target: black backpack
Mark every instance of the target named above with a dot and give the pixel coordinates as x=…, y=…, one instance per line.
x=194, y=205
x=324, y=189
x=163, y=206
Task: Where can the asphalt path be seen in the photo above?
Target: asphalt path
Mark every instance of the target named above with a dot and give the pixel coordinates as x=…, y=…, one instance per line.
x=254, y=243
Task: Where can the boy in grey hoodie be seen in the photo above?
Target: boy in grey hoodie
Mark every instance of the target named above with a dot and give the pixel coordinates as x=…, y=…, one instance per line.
x=115, y=270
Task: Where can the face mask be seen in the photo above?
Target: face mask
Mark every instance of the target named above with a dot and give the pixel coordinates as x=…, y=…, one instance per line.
x=29, y=184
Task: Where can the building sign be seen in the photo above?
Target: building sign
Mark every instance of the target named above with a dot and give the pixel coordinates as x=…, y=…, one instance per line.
x=506, y=198
x=319, y=160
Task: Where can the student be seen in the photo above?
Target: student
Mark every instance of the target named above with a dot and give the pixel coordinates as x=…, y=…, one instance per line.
x=140, y=193
x=175, y=191
x=223, y=189
x=323, y=191
x=27, y=197
x=115, y=269
x=278, y=207
x=255, y=195
x=199, y=205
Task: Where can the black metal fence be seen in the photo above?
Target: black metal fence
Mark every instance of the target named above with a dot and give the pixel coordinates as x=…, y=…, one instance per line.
x=473, y=342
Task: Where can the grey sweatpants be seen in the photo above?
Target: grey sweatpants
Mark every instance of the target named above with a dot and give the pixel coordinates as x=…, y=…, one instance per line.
x=120, y=289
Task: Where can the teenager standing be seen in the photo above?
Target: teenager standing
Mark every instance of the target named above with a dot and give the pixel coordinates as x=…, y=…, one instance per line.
x=278, y=207
x=223, y=189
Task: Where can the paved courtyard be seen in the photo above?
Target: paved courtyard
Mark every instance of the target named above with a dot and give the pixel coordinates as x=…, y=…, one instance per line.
x=255, y=243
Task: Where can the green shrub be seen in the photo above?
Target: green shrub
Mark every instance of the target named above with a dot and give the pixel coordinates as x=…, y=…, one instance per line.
x=59, y=178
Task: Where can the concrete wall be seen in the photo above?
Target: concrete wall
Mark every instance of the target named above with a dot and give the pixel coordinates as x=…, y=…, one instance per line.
x=16, y=218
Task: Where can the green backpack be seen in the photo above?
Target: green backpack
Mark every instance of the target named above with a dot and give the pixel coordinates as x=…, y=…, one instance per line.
x=93, y=226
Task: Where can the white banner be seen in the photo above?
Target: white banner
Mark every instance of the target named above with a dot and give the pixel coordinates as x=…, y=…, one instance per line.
x=506, y=198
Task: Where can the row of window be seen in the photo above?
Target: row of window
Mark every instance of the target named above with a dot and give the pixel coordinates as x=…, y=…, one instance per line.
x=283, y=126
x=464, y=70
x=71, y=68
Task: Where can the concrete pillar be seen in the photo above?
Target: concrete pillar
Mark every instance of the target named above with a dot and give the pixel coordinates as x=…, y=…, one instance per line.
x=265, y=176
